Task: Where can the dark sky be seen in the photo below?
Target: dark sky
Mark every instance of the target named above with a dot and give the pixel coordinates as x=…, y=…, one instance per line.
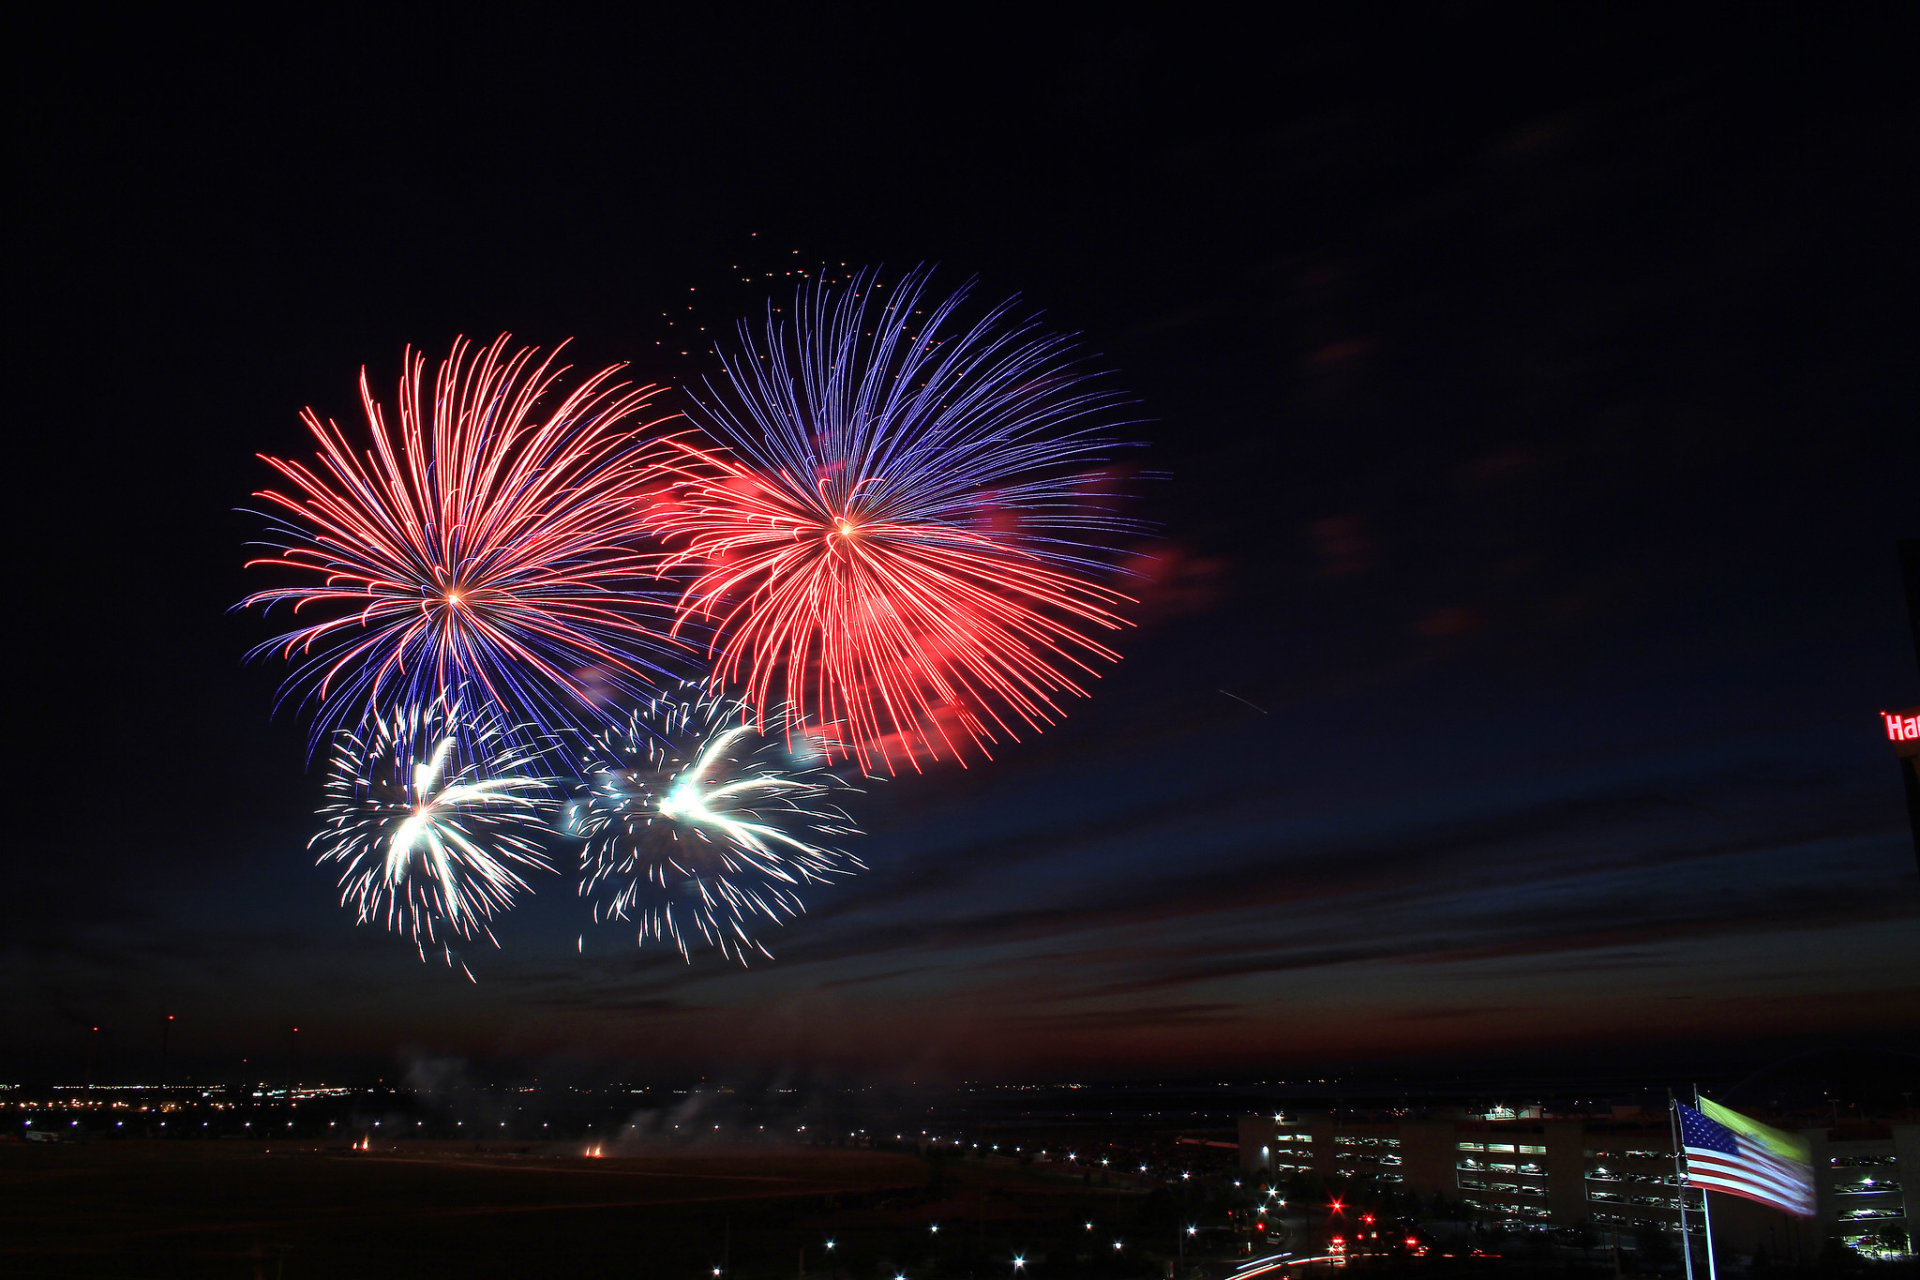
x=1537, y=403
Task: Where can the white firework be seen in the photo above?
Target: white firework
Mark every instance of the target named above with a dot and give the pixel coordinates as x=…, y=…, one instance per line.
x=436, y=812
x=701, y=824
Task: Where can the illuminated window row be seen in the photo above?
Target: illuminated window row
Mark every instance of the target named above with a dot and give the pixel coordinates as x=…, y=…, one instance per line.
x=1623, y=1220
x=1508, y=1188
x=1534, y=1212
x=1500, y=1166
x=1867, y=1187
x=1616, y=1175
x=1621, y=1197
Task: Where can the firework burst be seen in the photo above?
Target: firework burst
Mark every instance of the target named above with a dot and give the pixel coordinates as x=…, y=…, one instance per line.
x=492, y=539
x=906, y=528
x=435, y=813
x=701, y=823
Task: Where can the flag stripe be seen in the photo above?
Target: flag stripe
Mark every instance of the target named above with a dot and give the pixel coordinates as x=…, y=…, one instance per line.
x=1793, y=1196
x=1714, y=1162
x=1720, y=1179
x=1804, y=1210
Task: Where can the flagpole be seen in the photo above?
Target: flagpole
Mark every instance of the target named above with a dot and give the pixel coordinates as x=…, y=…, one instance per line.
x=1706, y=1217
x=1706, y=1214
x=1680, y=1180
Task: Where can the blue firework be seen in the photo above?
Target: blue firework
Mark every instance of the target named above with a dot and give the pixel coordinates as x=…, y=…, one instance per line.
x=906, y=525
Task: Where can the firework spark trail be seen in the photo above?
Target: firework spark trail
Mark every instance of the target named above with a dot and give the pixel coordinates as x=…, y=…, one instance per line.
x=905, y=530
x=698, y=824
x=487, y=541
x=435, y=811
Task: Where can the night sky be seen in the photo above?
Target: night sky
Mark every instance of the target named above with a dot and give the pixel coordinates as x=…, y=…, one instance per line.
x=1536, y=404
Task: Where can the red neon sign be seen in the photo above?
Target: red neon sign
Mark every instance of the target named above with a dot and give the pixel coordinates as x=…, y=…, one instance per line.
x=1903, y=730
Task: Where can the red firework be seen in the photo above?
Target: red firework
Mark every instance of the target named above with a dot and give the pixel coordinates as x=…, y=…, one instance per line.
x=900, y=643
x=915, y=573
x=490, y=539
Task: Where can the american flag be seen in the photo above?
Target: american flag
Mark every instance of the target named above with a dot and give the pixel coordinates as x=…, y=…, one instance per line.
x=1728, y=1152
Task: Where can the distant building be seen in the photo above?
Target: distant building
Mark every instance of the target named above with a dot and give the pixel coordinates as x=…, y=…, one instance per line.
x=1525, y=1170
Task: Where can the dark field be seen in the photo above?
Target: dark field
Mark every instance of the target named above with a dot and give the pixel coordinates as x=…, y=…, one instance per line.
x=423, y=1209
